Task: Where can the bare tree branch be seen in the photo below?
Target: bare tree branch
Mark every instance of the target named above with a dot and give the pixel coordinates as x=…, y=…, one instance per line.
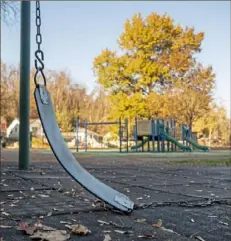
x=9, y=11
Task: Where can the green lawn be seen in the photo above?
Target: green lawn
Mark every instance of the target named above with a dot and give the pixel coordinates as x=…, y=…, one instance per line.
x=211, y=163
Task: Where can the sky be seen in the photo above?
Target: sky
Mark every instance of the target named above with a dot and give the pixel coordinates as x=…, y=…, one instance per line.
x=75, y=32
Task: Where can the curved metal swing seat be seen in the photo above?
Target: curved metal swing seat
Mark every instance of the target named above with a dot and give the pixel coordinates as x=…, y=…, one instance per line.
x=68, y=161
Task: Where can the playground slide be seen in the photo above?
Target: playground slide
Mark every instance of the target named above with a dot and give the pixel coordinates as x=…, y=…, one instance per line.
x=173, y=140
x=196, y=145
x=139, y=145
x=68, y=161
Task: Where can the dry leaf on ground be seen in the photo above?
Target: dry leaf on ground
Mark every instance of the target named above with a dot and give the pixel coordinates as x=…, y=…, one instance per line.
x=103, y=222
x=140, y=220
x=199, y=238
x=107, y=237
x=25, y=227
x=43, y=195
x=226, y=224
x=139, y=198
x=5, y=213
x=5, y=226
x=123, y=231
x=146, y=236
x=65, y=222
x=158, y=224
x=57, y=235
x=46, y=228
x=168, y=230
x=78, y=229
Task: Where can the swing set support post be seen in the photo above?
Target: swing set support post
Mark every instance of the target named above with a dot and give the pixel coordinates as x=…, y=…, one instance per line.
x=24, y=127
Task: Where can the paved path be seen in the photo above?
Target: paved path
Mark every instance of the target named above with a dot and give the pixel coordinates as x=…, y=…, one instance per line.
x=46, y=192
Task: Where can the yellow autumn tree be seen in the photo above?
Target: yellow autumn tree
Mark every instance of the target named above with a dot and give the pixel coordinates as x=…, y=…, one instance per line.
x=214, y=126
x=191, y=96
x=155, y=53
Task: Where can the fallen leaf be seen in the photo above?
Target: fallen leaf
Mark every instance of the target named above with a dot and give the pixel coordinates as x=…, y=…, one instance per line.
x=43, y=195
x=5, y=213
x=158, y=224
x=199, y=238
x=66, y=193
x=167, y=230
x=140, y=220
x=107, y=237
x=46, y=228
x=146, y=236
x=120, y=231
x=5, y=226
x=65, y=222
x=57, y=235
x=26, y=229
x=226, y=224
x=139, y=198
x=49, y=214
x=78, y=229
x=103, y=222
x=13, y=205
x=192, y=220
x=16, y=218
x=123, y=231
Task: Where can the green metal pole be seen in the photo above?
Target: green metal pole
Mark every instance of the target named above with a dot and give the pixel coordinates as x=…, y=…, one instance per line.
x=24, y=129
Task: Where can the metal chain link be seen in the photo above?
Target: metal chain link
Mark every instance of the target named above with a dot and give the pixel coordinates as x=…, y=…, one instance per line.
x=188, y=204
x=39, y=55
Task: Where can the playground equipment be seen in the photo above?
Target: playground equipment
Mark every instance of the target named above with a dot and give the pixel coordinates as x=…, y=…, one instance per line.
x=57, y=143
x=122, y=132
x=187, y=137
x=163, y=137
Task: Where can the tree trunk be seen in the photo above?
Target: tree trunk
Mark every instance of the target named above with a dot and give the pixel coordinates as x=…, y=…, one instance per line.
x=210, y=136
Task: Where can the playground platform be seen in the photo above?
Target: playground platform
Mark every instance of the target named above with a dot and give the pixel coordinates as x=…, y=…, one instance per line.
x=46, y=193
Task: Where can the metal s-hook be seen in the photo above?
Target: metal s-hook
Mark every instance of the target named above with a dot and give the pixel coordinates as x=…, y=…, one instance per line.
x=39, y=59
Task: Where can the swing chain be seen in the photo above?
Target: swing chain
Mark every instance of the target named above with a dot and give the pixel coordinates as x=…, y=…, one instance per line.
x=206, y=202
x=39, y=55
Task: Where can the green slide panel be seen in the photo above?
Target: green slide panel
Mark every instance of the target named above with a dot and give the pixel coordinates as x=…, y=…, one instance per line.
x=173, y=140
x=196, y=145
x=139, y=145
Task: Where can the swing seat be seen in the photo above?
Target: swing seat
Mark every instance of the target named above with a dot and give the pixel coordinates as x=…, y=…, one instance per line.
x=67, y=160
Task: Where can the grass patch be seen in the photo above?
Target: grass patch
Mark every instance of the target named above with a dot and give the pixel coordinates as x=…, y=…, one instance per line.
x=211, y=163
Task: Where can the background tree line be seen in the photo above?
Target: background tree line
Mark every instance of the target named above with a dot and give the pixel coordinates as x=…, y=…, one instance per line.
x=71, y=101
